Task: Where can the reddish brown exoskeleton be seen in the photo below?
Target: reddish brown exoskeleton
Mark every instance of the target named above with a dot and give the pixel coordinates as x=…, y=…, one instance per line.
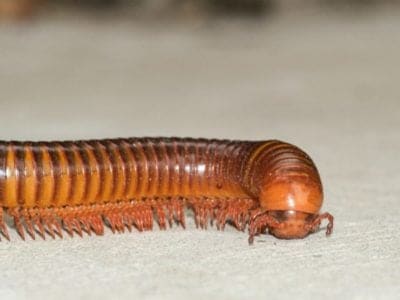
x=79, y=186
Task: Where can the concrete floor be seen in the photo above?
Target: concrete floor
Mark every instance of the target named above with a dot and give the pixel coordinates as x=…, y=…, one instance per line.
x=326, y=82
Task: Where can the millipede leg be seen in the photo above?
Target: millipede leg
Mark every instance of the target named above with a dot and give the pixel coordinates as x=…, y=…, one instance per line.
x=202, y=209
x=161, y=217
x=85, y=221
x=170, y=214
x=49, y=228
x=39, y=226
x=68, y=227
x=178, y=208
x=96, y=224
x=28, y=223
x=3, y=227
x=317, y=222
x=57, y=227
x=122, y=215
x=259, y=222
x=17, y=221
x=236, y=211
x=76, y=225
x=166, y=210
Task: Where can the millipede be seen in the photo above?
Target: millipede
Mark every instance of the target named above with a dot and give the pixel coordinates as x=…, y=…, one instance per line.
x=77, y=187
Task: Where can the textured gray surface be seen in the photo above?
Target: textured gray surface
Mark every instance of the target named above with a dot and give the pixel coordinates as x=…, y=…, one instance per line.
x=327, y=83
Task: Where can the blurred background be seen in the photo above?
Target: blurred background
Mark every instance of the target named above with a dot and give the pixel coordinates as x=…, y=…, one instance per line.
x=90, y=67
x=181, y=8
x=322, y=74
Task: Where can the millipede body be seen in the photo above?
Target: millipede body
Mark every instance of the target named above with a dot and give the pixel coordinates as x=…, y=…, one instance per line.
x=80, y=186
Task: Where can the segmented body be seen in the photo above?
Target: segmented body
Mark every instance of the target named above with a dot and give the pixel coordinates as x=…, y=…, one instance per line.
x=81, y=184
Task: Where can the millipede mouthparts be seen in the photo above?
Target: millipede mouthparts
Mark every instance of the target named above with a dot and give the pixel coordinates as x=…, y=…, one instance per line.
x=77, y=187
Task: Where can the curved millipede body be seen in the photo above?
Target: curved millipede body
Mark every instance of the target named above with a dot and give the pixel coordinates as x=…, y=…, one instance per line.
x=79, y=186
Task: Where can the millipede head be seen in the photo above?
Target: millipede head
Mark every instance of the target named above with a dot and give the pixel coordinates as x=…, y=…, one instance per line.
x=291, y=205
x=292, y=224
x=287, y=224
